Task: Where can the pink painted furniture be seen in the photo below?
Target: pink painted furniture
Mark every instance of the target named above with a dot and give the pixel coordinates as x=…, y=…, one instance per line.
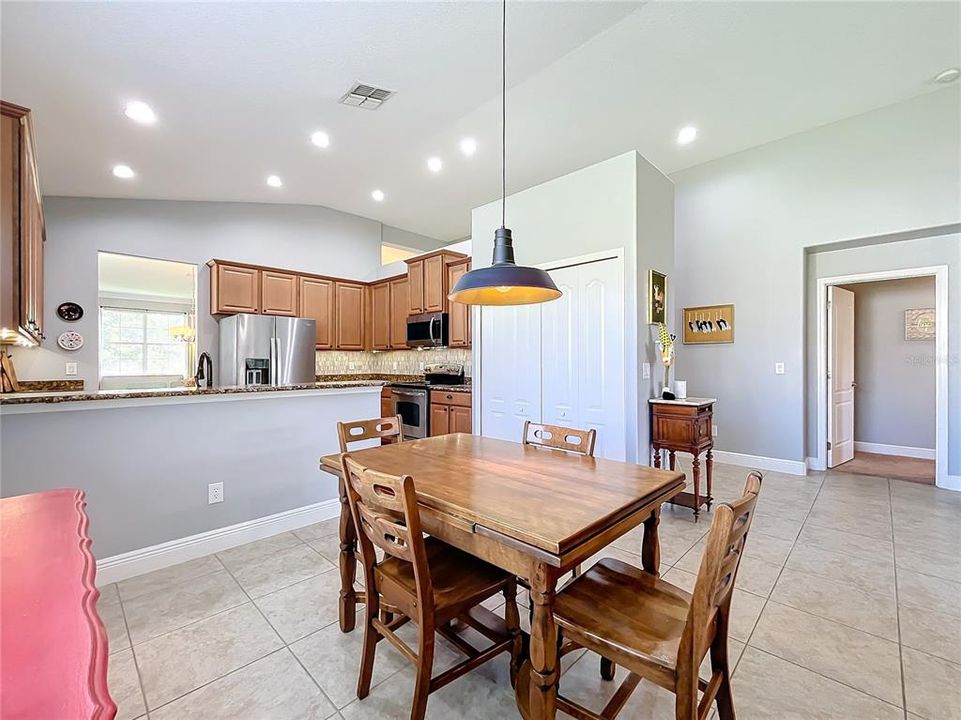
x=53, y=647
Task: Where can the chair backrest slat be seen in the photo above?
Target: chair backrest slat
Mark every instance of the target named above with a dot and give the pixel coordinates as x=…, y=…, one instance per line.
x=384, y=508
x=560, y=438
x=374, y=429
x=718, y=569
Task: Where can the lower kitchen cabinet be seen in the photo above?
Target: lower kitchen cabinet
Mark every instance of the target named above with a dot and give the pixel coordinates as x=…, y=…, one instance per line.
x=450, y=412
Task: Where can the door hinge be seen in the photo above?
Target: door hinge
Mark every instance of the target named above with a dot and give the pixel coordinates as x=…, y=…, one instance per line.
x=829, y=444
x=829, y=374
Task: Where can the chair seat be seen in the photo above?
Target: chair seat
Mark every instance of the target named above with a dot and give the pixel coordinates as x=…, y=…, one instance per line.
x=457, y=578
x=620, y=607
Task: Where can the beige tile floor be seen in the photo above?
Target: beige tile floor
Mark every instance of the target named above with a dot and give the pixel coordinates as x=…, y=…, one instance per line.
x=848, y=606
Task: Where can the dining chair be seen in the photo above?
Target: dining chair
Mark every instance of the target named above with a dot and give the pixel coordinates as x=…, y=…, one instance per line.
x=424, y=580
x=377, y=428
x=560, y=438
x=657, y=631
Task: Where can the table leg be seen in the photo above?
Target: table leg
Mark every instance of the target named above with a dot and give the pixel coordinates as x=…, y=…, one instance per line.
x=710, y=478
x=651, y=545
x=348, y=565
x=657, y=456
x=696, y=474
x=543, y=648
x=672, y=459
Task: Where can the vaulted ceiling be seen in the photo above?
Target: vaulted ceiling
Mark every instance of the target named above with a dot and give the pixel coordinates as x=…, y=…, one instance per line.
x=239, y=87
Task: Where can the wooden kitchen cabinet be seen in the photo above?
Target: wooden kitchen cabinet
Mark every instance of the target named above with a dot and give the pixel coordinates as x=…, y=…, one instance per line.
x=380, y=316
x=399, y=304
x=460, y=324
x=234, y=288
x=317, y=303
x=23, y=231
x=349, y=315
x=427, y=281
x=450, y=412
x=278, y=293
x=386, y=402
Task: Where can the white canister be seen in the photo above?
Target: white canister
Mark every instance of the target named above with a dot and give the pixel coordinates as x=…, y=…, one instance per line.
x=680, y=389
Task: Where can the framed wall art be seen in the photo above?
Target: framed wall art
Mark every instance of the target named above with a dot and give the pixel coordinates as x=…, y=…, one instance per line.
x=709, y=324
x=656, y=297
x=919, y=324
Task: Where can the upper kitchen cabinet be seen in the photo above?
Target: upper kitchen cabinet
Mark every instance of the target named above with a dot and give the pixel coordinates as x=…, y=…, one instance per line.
x=399, y=303
x=22, y=236
x=380, y=316
x=460, y=326
x=349, y=315
x=278, y=293
x=234, y=288
x=427, y=277
x=317, y=302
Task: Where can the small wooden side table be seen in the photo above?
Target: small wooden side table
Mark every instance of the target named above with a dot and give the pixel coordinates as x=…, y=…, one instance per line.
x=685, y=426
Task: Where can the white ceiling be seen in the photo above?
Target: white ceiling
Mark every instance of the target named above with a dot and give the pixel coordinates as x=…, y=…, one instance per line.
x=129, y=275
x=239, y=87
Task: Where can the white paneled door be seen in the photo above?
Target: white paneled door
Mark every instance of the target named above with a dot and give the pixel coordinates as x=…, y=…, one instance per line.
x=841, y=375
x=561, y=362
x=582, y=372
x=511, y=367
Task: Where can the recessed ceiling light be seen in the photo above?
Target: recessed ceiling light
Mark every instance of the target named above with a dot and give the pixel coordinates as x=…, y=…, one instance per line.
x=320, y=139
x=378, y=195
x=123, y=171
x=947, y=76
x=435, y=164
x=686, y=135
x=468, y=146
x=140, y=112
x=274, y=181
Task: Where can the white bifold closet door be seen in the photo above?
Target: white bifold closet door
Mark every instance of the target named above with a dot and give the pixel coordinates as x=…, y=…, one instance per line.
x=561, y=362
x=582, y=368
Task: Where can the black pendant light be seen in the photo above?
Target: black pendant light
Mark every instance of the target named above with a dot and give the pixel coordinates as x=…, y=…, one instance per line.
x=504, y=282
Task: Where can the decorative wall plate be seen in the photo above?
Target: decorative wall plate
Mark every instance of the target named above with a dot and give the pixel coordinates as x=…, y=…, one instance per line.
x=70, y=311
x=70, y=340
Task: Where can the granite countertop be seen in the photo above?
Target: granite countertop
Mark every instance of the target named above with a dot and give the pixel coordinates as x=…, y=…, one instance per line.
x=465, y=388
x=80, y=396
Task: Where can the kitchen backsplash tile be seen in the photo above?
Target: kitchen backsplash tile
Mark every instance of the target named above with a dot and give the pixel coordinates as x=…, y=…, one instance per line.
x=402, y=362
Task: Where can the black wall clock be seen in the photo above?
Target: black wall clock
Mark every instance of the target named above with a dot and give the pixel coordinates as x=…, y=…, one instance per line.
x=70, y=311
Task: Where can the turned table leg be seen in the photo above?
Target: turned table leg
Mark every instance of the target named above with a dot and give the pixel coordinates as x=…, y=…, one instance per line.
x=651, y=545
x=543, y=645
x=710, y=478
x=696, y=475
x=348, y=565
x=672, y=459
x=657, y=456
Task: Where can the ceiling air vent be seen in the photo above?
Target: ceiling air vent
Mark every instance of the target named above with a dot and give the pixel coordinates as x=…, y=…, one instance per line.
x=366, y=96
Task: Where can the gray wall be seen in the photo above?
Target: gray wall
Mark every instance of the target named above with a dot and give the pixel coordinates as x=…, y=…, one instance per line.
x=299, y=237
x=145, y=469
x=744, y=221
x=895, y=397
x=905, y=254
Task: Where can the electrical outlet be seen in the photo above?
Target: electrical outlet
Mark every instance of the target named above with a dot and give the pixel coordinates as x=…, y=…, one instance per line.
x=779, y=368
x=350, y=366
x=713, y=430
x=646, y=371
x=70, y=368
x=215, y=493
x=396, y=365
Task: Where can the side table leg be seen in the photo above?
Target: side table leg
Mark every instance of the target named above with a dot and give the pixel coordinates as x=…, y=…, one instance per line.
x=710, y=478
x=696, y=473
x=657, y=456
x=672, y=460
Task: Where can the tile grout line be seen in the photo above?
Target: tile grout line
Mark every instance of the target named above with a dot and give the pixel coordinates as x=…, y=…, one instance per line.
x=897, y=605
x=133, y=653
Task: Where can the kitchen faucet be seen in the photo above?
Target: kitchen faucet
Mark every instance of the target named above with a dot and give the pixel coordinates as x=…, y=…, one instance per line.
x=205, y=370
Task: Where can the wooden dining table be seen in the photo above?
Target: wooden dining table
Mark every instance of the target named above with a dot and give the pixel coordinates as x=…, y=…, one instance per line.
x=532, y=511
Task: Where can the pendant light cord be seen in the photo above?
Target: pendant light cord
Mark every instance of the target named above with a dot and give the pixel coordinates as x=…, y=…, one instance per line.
x=504, y=114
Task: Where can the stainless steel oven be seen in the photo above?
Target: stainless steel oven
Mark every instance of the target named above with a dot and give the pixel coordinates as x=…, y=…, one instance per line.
x=411, y=404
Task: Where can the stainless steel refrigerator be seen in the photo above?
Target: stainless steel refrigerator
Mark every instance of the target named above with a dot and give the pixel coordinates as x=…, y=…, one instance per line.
x=267, y=350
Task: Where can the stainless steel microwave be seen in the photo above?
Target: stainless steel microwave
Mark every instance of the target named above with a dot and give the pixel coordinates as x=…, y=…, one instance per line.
x=428, y=330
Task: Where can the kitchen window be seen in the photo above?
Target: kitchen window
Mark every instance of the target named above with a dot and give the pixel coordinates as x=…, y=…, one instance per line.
x=142, y=342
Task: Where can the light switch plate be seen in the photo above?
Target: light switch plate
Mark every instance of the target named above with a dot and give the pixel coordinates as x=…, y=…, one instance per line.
x=779, y=368
x=70, y=368
x=646, y=370
x=713, y=430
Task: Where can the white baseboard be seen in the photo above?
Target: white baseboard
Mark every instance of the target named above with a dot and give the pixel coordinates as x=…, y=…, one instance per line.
x=759, y=462
x=900, y=450
x=813, y=463
x=156, y=557
x=952, y=482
